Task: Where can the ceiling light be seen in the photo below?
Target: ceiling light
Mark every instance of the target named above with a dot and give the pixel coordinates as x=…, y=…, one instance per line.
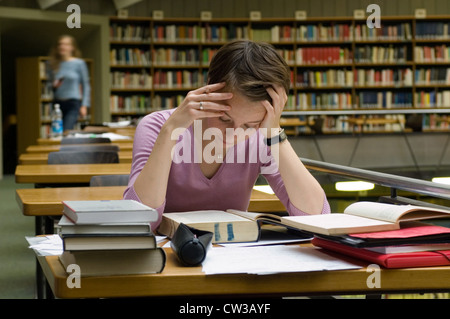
x=264, y=188
x=354, y=186
x=441, y=180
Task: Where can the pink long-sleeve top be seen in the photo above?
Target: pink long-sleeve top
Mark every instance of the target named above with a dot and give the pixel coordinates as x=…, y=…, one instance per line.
x=189, y=189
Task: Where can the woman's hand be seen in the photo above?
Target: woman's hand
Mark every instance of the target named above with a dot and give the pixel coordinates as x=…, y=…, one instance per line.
x=271, y=123
x=200, y=103
x=83, y=111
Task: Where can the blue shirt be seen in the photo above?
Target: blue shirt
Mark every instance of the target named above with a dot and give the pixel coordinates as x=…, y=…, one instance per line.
x=74, y=73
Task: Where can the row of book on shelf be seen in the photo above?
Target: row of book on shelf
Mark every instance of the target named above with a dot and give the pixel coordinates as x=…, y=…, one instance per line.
x=400, y=31
x=361, y=77
x=321, y=32
x=115, y=237
x=298, y=102
x=334, y=55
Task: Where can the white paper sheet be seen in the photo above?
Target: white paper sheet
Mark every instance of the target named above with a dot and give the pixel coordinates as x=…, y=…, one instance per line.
x=270, y=259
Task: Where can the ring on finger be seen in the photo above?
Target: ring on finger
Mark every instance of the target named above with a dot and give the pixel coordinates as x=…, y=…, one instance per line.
x=201, y=106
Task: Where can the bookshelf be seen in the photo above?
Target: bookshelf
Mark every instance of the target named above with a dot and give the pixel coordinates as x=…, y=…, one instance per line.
x=337, y=64
x=35, y=99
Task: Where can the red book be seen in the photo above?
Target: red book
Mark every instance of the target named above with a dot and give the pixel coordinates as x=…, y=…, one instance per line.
x=397, y=260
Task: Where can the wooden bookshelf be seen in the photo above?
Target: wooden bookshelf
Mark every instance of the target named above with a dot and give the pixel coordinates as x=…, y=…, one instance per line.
x=35, y=100
x=336, y=64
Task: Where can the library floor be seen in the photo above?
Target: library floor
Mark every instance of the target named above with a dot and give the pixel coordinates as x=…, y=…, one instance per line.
x=17, y=261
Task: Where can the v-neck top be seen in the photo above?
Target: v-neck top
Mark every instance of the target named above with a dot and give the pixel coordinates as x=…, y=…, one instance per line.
x=189, y=189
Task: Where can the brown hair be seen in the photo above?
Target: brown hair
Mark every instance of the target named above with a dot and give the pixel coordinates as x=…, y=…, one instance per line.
x=55, y=57
x=249, y=68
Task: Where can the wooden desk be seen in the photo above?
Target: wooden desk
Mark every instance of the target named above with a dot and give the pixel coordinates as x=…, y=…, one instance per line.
x=42, y=158
x=47, y=201
x=52, y=141
x=67, y=174
x=177, y=280
x=55, y=147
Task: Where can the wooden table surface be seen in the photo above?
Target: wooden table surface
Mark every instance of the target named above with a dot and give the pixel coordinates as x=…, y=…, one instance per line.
x=55, y=147
x=176, y=280
x=66, y=174
x=47, y=201
x=42, y=158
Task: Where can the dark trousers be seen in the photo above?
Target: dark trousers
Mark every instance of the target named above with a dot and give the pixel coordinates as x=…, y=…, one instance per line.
x=70, y=110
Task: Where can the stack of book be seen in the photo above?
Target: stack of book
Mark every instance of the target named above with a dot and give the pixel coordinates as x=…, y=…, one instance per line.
x=106, y=238
x=393, y=236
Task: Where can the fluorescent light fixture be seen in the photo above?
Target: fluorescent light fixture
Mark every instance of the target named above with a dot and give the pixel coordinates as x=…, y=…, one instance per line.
x=264, y=188
x=354, y=186
x=441, y=180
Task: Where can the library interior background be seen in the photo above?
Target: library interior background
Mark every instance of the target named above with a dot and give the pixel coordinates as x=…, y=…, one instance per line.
x=363, y=95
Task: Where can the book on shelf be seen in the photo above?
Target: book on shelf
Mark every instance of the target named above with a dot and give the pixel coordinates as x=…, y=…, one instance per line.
x=129, y=32
x=317, y=101
x=429, y=76
x=179, y=79
x=170, y=56
x=131, y=80
x=384, y=99
x=433, y=54
x=130, y=103
x=177, y=33
x=435, y=122
x=323, y=55
x=380, y=54
x=361, y=217
x=383, y=77
x=342, y=32
x=432, y=98
x=129, y=57
x=227, y=226
x=393, y=32
x=115, y=262
x=108, y=211
x=167, y=102
x=430, y=30
x=325, y=78
x=223, y=33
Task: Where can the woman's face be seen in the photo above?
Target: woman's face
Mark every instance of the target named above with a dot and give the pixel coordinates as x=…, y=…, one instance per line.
x=65, y=47
x=240, y=122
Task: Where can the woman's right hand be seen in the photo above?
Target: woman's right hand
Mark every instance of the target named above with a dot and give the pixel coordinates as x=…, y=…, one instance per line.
x=198, y=104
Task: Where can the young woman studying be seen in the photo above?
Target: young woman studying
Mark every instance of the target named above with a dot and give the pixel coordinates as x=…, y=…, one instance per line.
x=208, y=152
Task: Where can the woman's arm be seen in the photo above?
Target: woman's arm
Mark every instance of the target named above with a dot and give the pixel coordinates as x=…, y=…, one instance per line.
x=303, y=190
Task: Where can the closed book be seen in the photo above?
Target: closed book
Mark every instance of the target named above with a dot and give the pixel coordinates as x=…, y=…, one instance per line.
x=411, y=233
x=116, y=262
x=69, y=227
x=108, y=211
x=396, y=260
x=74, y=242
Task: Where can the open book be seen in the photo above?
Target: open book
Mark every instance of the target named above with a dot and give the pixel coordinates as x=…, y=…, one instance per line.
x=227, y=226
x=364, y=217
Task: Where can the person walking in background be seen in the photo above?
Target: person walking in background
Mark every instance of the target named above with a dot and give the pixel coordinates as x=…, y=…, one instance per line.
x=70, y=78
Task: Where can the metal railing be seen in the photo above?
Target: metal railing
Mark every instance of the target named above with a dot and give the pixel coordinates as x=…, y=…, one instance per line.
x=394, y=182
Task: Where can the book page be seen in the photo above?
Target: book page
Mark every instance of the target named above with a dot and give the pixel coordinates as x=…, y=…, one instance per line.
x=393, y=213
x=255, y=216
x=210, y=216
x=380, y=211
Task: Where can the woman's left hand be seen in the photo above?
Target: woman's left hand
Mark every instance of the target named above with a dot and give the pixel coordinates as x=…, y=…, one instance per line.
x=83, y=111
x=271, y=121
